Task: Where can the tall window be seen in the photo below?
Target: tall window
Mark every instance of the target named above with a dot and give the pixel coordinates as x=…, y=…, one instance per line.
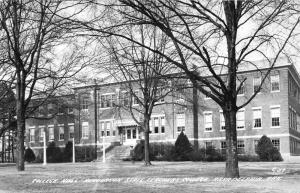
x=156, y=124
x=242, y=88
x=84, y=105
x=70, y=110
x=40, y=111
x=208, y=121
x=222, y=121
x=275, y=82
x=276, y=143
x=50, y=109
x=135, y=98
x=275, y=116
x=102, y=130
x=124, y=98
x=41, y=130
x=108, y=127
x=241, y=146
x=51, y=133
x=257, y=118
x=255, y=144
x=107, y=100
x=240, y=119
x=223, y=147
x=61, y=132
x=31, y=136
x=85, y=130
x=256, y=83
x=180, y=122
x=71, y=131
x=162, y=121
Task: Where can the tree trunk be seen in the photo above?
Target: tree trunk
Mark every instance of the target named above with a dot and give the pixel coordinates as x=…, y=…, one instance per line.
x=232, y=168
x=20, y=103
x=195, y=116
x=146, y=145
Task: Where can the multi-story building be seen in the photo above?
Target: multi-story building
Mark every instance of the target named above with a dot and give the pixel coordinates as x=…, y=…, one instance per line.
x=99, y=119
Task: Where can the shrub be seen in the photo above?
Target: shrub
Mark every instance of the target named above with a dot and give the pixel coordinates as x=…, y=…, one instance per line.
x=266, y=150
x=248, y=158
x=182, y=148
x=54, y=154
x=85, y=153
x=29, y=155
x=68, y=152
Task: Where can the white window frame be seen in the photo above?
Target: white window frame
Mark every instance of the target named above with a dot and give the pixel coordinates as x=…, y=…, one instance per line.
x=273, y=108
x=237, y=120
x=274, y=81
x=254, y=83
x=222, y=120
x=41, y=133
x=59, y=132
x=31, y=137
x=51, y=132
x=180, y=124
x=254, y=109
x=208, y=123
x=85, y=130
x=71, y=125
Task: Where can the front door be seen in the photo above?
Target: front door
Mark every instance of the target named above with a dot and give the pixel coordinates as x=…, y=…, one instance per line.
x=130, y=135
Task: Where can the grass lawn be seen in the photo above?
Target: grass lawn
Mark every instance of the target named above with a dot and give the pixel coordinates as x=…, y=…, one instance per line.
x=178, y=177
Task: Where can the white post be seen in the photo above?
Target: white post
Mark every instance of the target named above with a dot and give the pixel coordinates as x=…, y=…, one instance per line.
x=73, y=150
x=103, y=151
x=45, y=153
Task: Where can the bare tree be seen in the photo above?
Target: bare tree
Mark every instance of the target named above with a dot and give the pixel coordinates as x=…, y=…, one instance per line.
x=144, y=74
x=30, y=33
x=212, y=41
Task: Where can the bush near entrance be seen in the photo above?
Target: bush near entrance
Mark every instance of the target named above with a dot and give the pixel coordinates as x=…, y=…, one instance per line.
x=266, y=150
x=29, y=155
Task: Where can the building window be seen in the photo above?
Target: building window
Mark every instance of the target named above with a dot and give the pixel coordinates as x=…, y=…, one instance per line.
x=156, y=124
x=50, y=109
x=84, y=105
x=135, y=97
x=223, y=147
x=208, y=121
x=160, y=94
x=40, y=111
x=275, y=82
x=276, y=143
x=256, y=84
x=107, y=100
x=275, y=116
x=180, y=122
x=102, y=129
x=222, y=121
x=257, y=118
x=241, y=146
x=242, y=88
x=108, y=126
x=240, y=119
x=124, y=98
x=51, y=133
x=31, y=136
x=85, y=130
x=208, y=144
x=71, y=131
x=61, y=132
x=162, y=121
x=42, y=130
x=60, y=110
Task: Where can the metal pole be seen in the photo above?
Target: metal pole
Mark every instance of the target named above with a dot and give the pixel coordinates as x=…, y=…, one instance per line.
x=73, y=150
x=45, y=153
x=103, y=143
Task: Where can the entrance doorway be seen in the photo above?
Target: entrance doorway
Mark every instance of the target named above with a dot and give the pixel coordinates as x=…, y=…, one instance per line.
x=128, y=135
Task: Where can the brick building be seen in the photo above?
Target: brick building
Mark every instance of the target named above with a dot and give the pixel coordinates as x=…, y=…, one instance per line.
x=275, y=112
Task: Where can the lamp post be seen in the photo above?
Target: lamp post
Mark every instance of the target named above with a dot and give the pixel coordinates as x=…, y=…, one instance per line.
x=73, y=153
x=45, y=153
x=103, y=144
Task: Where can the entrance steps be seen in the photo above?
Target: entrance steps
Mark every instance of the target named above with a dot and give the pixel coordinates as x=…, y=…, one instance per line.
x=116, y=154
